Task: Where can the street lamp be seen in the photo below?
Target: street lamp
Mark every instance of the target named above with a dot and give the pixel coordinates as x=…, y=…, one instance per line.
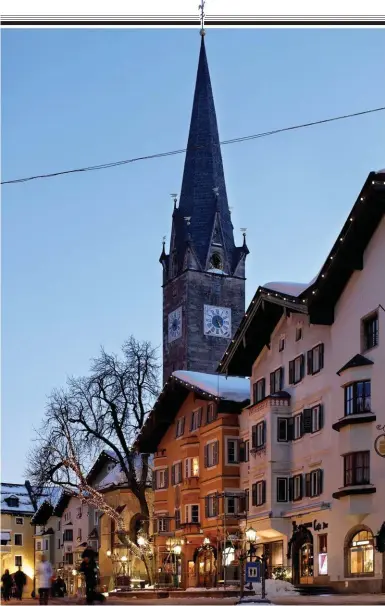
x=251, y=535
x=108, y=553
x=177, y=549
x=206, y=541
x=141, y=541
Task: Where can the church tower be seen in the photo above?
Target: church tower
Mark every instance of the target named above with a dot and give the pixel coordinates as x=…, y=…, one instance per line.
x=204, y=272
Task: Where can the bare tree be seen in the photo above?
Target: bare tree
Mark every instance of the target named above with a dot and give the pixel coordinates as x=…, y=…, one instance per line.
x=104, y=410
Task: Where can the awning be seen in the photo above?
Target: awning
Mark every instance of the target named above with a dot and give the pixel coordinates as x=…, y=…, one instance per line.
x=5, y=536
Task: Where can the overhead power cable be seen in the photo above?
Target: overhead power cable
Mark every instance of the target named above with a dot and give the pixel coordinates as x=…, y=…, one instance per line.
x=181, y=151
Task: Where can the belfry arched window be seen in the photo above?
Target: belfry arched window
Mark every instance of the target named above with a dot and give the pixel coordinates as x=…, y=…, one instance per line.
x=216, y=261
x=360, y=553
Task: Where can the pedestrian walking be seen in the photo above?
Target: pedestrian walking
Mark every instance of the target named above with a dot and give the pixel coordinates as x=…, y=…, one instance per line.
x=6, y=585
x=88, y=568
x=43, y=579
x=20, y=582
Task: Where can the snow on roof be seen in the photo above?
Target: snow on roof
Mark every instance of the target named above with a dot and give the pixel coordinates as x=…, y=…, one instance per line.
x=236, y=389
x=292, y=289
x=20, y=492
x=117, y=477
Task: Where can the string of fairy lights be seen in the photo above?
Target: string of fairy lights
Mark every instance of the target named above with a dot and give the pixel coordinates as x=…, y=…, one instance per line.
x=374, y=182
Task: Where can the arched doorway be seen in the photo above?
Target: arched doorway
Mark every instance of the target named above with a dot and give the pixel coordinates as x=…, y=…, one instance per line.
x=302, y=556
x=206, y=566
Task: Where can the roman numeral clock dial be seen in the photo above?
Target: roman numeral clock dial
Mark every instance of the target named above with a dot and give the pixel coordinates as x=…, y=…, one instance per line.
x=175, y=325
x=217, y=321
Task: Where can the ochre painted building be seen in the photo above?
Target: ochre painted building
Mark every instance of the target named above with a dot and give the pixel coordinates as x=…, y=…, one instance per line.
x=17, y=542
x=193, y=431
x=113, y=570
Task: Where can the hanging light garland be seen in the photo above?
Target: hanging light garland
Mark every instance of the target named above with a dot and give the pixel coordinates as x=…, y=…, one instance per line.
x=323, y=274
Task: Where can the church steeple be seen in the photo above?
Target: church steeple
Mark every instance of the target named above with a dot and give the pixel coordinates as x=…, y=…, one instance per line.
x=204, y=272
x=203, y=200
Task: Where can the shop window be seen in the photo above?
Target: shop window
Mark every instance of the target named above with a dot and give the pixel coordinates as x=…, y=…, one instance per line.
x=322, y=554
x=360, y=553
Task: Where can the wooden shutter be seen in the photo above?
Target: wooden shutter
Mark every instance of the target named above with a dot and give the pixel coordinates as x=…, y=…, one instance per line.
x=272, y=390
x=180, y=471
x=302, y=363
x=301, y=487
x=254, y=436
x=206, y=455
x=263, y=433
x=173, y=475
x=191, y=421
x=242, y=504
x=321, y=355
x=291, y=489
x=200, y=417
x=308, y=485
x=320, y=480
x=255, y=398
x=307, y=421
x=216, y=453
x=176, y=428
x=291, y=372
x=206, y=507
x=310, y=362
x=242, y=452
x=215, y=504
x=321, y=416
x=254, y=494
x=263, y=390
x=281, y=378
x=290, y=429
x=182, y=430
x=263, y=492
x=154, y=480
x=166, y=478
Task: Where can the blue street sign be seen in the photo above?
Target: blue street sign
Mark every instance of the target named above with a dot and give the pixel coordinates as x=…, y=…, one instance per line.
x=253, y=572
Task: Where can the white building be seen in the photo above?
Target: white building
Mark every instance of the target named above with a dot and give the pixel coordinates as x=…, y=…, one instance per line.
x=314, y=435
x=65, y=526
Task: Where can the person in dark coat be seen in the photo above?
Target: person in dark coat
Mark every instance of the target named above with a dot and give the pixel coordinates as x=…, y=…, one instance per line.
x=88, y=568
x=6, y=585
x=59, y=588
x=20, y=581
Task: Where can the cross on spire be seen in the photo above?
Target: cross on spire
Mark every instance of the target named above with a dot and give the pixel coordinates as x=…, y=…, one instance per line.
x=202, y=16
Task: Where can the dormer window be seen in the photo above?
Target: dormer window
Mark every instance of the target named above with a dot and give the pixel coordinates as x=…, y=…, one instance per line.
x=12, y=501
x=216, y=261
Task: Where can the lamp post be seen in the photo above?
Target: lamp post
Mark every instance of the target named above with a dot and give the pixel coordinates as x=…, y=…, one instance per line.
x=249, y=537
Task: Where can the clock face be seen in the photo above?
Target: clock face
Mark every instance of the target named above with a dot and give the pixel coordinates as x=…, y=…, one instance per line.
x=175, y=325
x=217, y=321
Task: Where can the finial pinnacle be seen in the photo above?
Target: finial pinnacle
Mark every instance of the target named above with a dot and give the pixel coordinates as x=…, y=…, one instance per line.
x=202, y=17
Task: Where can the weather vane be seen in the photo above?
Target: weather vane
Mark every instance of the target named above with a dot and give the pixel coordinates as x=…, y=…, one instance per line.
x=202, y=16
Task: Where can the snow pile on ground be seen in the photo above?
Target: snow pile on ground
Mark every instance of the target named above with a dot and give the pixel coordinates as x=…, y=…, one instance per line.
x=275, y=587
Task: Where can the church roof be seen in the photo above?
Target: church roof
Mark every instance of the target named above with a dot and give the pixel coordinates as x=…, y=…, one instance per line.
x=203, y=191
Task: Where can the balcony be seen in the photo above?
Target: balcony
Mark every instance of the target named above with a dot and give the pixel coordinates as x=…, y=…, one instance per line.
x=190, y=483
x=191, y=527
x=5, y=549
x=160, y=454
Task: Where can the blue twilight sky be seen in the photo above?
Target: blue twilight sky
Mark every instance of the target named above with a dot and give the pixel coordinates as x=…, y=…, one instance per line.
x=80, y=253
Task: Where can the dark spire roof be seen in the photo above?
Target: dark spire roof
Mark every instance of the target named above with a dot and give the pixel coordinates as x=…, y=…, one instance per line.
x=203, y=172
